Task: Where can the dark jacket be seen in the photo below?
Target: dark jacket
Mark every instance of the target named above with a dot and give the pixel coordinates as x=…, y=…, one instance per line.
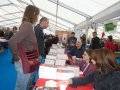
x=72, y=39
x=95, y=43
x=10, y=34
x=55, y=40
x=40, y=39
x=69, y=48
x=102, y=81
x=76, y=52
x=48, y=44
x=1, y=34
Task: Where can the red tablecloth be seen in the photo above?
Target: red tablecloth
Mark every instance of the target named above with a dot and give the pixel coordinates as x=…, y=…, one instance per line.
x=41, y=82
x=69, y=59
x=65, y=52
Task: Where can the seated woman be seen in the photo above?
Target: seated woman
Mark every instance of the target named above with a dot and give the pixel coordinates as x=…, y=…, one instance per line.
x=107, y=73
x=85, y=64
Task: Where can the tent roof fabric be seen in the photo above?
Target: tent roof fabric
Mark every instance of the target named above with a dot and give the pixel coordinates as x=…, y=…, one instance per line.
x=70, y=12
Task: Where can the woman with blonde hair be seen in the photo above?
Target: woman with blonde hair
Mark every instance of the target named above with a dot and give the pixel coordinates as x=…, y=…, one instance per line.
x=107, y=73
x=27, y=36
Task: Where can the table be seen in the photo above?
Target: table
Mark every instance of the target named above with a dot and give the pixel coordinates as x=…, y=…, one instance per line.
x=3, y=42
x=41, y=82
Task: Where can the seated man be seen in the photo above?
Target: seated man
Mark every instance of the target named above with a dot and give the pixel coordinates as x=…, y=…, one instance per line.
x=77, y=51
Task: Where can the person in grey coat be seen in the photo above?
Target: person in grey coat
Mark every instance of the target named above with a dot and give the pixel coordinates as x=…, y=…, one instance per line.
x=27, y=37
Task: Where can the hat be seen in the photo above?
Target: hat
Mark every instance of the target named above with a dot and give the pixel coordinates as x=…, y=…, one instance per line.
x=73, y=33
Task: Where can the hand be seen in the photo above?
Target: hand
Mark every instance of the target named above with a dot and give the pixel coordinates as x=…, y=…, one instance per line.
x=65, y=82
x=74, y=58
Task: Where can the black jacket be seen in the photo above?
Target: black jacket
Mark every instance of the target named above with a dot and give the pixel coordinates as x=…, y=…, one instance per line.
x=101, y=81
x=76, y=52
x=40, y=39
x=95, y=43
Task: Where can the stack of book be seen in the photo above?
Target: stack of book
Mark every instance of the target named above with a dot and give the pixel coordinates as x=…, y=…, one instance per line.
x=60, y=50
x=64, y=74
x=74, y=69
x=54, y=46
x=53, y=51
x=47, y=72
x=62, y=56
x=50, y=57
x=57, y=72
x=49, y=62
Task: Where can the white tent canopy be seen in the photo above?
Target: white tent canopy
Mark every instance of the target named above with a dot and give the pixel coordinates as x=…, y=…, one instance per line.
x=63, y=14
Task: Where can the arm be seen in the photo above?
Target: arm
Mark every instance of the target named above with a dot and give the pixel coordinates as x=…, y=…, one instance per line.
x=82, y=81
x=17, y=38
x=115, y=83
x=70, y=54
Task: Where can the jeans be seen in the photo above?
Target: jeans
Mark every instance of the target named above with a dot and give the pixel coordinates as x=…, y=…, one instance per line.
x=23, y=81
x=42, y=60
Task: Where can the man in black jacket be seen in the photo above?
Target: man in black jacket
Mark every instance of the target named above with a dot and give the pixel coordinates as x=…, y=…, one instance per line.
x=43, y=24
x=95, y=43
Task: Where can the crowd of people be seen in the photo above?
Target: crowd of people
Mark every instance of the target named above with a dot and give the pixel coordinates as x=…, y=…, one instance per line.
x=95, y=42
x=8, y=33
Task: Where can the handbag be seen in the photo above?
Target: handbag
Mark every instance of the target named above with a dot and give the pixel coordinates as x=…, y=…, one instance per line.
x=30, y=60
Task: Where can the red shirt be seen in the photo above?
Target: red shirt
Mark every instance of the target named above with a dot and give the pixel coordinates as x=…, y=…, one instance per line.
x=110, y=45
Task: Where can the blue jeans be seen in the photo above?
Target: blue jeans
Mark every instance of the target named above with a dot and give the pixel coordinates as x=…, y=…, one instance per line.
x=23, y=80
x=42, y=60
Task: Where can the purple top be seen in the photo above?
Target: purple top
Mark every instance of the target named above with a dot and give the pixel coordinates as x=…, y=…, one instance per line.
x=85, y=68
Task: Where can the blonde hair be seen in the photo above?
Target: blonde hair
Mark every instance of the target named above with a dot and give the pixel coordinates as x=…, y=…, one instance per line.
x=30, y=14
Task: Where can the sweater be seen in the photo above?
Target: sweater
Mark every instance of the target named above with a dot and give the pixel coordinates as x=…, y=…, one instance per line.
x=109, y=81
x=26, y=36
